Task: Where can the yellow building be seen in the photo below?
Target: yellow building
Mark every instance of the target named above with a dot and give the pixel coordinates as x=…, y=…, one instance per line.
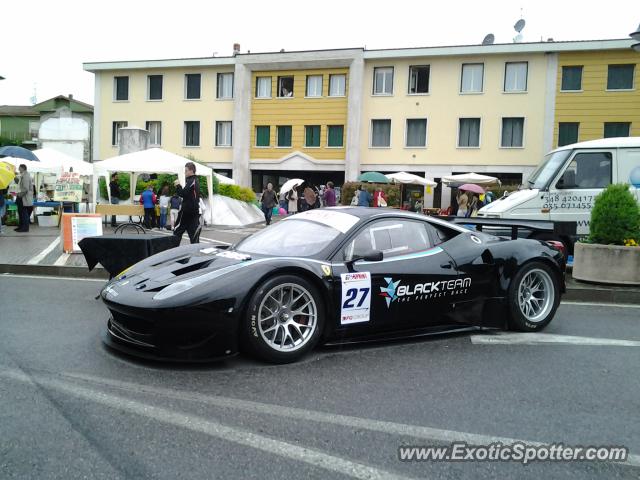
x=598, y=95
x=332, y=114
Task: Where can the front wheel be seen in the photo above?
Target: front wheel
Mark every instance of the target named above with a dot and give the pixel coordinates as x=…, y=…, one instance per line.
x=284, y=321
x=534, y=296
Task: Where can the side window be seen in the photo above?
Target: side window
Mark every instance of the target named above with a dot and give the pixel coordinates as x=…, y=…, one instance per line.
x=587, y=170
x=441, y=234
x=392, y=237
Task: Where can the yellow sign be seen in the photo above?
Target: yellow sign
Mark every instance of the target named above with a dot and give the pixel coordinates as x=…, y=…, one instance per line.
x=428, y=189
x=326, y=269
x=68, y=188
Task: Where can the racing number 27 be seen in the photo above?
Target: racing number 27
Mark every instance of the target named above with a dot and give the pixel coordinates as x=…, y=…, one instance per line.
x=352, y=295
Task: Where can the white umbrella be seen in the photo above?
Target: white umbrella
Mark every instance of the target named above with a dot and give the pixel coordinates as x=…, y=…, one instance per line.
x=289, y=184
x=474, y=178
x=410, y=179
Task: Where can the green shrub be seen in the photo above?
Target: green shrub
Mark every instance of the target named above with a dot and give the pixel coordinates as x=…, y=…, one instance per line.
x=244, y=194
x=615, y=216
x=391, y=191
x=162, y=179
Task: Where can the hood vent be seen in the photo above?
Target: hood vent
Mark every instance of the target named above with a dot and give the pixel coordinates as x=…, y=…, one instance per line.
x=192, y=268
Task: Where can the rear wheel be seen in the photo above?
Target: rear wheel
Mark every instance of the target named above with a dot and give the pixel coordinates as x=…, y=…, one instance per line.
x=534, y=296
x=284, y=320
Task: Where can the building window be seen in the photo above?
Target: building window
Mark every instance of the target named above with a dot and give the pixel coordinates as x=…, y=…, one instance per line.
x=567, y=133
x=223, y=134
x=285, y=86
x=380, y=133
x=419, y=79
x=155, y=133
x=472, y=77
x=192, y=86
x=263, y=87
x=154, y=87
x=512, y=132
x=383, y=81
x=192, y=134
x=469, y=132
x=620, y=77
x=571, y=78
x=314, y=85
x=616, y=129
x=337, y=85
x=515, y=76
x=416, y=132
x=284, y=135
x=335, y=135
x=225, y=85
x=312, y=136
x=121, y=88
x=115, y=134
x=263, y=136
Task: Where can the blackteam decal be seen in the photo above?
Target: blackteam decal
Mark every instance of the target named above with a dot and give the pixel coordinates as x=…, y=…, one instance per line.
x=423, y=291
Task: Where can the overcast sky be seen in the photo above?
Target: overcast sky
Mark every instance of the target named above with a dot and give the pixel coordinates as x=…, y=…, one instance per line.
x=45, y=42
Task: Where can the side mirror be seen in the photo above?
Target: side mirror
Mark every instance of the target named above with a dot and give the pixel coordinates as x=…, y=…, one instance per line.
x=370, y=256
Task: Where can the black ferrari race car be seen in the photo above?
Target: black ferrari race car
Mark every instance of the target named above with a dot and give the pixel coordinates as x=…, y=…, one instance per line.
x=331, y=275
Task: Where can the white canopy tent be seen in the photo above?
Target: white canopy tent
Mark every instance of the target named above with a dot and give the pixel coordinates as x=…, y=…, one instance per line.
x=410, y=179
x=32, y=166
x=475, y=178
x=152, y=160
x=62, y=162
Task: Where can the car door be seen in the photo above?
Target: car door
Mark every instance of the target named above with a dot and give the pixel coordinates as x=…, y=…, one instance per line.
x=407, y=288
x=572, y=195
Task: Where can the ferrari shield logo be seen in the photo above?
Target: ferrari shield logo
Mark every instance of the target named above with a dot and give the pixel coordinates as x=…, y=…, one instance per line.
x=326, y=269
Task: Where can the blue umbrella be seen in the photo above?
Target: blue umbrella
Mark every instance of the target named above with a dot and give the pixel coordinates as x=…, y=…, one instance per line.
x=18, y=152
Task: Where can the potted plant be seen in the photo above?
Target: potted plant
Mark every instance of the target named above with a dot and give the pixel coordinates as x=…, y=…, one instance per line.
x=611, y=253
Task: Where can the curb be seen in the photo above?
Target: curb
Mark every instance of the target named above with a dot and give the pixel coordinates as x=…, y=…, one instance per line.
x=54, y=271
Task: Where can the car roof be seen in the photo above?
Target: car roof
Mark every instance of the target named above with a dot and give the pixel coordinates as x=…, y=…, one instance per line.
x=366, y=213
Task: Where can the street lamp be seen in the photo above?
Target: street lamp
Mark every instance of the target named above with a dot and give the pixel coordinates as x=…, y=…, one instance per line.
x=636, y=36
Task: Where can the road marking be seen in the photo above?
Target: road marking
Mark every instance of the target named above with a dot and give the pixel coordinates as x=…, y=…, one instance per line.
x=291, y=413
x=241, y=436
x=507, y=338
x=594, y=304
x=62, y=259
x=49, y=277
x=38, y=258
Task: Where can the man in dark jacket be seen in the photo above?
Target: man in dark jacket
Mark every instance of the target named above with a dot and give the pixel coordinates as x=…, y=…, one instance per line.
x=268, y=200
x=189, y=214
x=114, y=190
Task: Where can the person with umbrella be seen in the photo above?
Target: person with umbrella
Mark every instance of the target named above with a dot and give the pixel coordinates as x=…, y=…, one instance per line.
x=25, y=199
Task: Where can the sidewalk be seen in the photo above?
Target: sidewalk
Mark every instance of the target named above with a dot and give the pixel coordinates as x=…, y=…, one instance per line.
x=39, y=253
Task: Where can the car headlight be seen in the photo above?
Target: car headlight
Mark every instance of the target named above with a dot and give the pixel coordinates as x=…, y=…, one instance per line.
x=184, y=285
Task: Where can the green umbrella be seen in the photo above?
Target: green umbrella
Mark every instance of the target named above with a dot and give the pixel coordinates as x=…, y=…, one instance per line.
x=373, y=177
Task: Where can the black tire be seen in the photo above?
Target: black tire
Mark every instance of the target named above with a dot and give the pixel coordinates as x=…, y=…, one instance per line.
x=259, y=344
x=519, y=320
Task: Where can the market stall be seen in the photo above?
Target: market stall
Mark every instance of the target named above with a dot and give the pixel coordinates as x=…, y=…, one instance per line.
x=413, y=189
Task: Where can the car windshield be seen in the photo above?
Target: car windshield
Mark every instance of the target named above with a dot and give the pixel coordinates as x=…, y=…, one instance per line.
x=293, y=237
x=545, y=172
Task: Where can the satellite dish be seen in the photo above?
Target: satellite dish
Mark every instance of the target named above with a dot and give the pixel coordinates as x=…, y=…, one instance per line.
x=519, y=25
x=489, y=39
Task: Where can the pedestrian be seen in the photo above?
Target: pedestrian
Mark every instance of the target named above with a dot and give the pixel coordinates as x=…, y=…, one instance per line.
x=330, y=195
x=292, y=199
x=364, y=198
x=463, y=202
x=3, y=192
x=354, y=199
x=379, y=198
x=164, y=207
x=189, y=214
x=268, y=201
x=148, y=201
x=174, y=205
x=310, y=200
x=25, y=199
x=114, y=191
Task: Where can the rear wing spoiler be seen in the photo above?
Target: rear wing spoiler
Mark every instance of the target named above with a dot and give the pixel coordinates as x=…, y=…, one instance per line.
x=560, y=229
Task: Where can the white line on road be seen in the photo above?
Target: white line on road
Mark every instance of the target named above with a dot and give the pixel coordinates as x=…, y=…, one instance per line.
x=594, y=304
x=507, y=338
x=293, y=413
x=62, y=259
x=223, y=432
x=38, y=258
x=49, y=277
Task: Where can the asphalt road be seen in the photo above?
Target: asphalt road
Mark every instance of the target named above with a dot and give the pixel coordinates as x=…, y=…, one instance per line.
x=73, y=409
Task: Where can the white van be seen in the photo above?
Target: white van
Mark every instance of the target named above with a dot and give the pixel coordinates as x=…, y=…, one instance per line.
x=564, y=185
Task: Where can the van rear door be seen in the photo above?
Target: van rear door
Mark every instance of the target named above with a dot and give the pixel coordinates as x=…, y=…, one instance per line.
x=629, y=169
x=572, y=193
